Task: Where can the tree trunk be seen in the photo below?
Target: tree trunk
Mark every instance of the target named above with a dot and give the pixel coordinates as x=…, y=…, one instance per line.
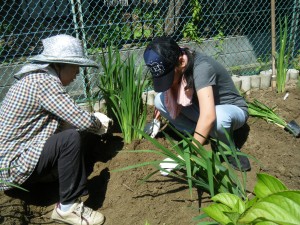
x=173, y=16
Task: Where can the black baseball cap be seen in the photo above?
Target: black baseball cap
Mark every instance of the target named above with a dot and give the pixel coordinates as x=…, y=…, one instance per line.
x=161, y=57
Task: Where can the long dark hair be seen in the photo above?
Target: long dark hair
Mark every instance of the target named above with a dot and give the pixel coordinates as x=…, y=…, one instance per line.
x=189, y=71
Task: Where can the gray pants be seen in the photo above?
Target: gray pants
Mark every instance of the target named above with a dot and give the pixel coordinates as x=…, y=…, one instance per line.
x=229, y=117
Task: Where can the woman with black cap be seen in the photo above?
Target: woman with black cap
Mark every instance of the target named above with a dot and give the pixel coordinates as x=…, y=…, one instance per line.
x=196, y=93
x=31, y=143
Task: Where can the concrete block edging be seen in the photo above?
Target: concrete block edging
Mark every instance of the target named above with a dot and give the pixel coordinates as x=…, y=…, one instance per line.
x=243, y=83
x=260, y=81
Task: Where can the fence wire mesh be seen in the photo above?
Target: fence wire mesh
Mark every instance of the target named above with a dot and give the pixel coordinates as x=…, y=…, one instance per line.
x=236, y=32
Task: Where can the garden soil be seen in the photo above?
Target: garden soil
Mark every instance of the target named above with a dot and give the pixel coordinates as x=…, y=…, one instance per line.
x=162, y=200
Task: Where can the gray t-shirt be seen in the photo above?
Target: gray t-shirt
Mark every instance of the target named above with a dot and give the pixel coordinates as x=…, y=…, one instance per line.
x=209, y=72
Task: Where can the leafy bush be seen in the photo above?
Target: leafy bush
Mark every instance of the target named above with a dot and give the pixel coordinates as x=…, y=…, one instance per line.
x=273, y=203
x=190, y=29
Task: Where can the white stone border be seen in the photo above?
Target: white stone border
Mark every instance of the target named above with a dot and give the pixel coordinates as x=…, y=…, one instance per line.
x=261, y=81
x=149, y=96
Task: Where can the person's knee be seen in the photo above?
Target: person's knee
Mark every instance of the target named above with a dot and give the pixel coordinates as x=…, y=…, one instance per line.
x=72, y=134
x=72, y=139
x=222, y=124
x=230, y=117
x=223, y=119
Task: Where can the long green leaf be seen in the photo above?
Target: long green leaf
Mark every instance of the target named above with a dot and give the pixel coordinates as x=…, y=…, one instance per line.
x=282, y=58
x=188, y=167
x=12, y=185
x=136, y=166
x=122, y=86
x=260, y=110
x=9, y=183
x=144, y=179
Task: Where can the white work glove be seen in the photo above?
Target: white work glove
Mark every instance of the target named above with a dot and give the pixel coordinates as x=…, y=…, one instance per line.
x=169, y=165
x=152, y=128
x=105, y=121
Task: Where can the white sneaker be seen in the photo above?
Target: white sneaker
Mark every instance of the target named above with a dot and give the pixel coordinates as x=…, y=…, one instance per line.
x=169, y=165
x=78, y=214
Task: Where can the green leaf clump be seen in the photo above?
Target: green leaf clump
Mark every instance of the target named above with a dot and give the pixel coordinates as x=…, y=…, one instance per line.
x=282, y=59
x=122, y=85
x=262, y=111
x=273, y=203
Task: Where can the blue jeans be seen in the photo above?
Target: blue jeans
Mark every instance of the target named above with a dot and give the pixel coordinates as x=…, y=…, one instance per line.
x=229, y=117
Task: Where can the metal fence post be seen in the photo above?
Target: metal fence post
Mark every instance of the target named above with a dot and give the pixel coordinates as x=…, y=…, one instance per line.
x=80, y=34
x=273, y=44
x=294, y=26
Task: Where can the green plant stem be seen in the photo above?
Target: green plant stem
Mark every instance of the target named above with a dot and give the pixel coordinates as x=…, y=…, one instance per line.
x=282, y=59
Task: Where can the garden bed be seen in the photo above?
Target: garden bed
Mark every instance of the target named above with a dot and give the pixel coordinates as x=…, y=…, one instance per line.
x=163, y=200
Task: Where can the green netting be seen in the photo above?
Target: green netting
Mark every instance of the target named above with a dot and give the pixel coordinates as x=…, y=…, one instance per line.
x=236, y=32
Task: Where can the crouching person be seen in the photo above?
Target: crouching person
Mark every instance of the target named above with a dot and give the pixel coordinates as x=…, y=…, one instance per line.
x=31, y=144
x=195, y=94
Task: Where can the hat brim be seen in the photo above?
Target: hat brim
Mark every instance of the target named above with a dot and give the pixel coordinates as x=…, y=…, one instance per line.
x=163, y=83
x=71, y=60
x=29, y=68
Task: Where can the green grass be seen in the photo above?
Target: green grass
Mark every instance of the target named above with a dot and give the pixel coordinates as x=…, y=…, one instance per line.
x=121, y=86
x=199, y=167
x=282, y=58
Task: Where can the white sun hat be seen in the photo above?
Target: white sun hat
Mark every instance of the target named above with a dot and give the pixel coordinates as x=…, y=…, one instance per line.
x=63, y=48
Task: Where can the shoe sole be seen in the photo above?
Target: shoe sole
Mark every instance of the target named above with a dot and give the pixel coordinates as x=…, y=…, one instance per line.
x=62, y=222
x=242, y=170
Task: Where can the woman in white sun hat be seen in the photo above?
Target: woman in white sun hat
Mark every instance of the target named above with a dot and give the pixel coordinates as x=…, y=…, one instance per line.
x=31, y=114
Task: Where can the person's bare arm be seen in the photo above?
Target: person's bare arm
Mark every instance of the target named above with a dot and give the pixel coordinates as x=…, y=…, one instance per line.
x=207, y=115
x=156, y=114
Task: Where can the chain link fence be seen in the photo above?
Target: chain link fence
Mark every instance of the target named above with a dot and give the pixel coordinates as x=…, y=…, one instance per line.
x=236, y=32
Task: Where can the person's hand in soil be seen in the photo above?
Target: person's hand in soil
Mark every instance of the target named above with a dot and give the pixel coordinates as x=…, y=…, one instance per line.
x=105, y=121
